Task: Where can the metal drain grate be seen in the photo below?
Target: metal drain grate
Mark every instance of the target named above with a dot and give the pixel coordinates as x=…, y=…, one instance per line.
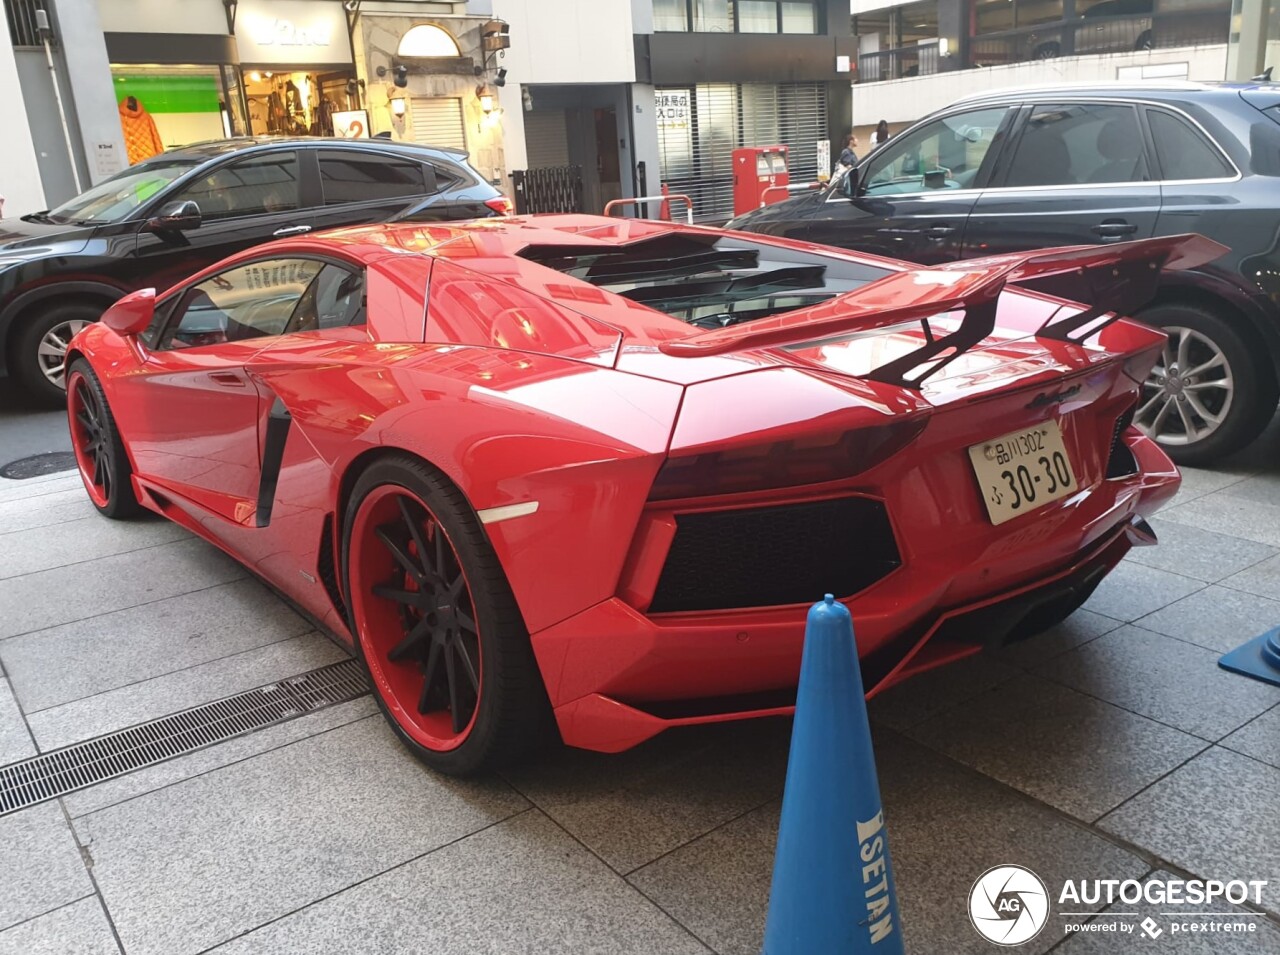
x=74, y=767
x=51, y=462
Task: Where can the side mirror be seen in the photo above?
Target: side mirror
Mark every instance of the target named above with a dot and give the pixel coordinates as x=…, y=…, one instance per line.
x=849, y=184
x=131, y=314
x=175, y=217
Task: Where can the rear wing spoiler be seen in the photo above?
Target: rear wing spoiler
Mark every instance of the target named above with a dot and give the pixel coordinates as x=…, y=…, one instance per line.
x=1114, y=281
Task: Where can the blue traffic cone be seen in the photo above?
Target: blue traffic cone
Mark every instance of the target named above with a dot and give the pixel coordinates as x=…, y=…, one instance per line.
x=833, y=888
x=1259, y=658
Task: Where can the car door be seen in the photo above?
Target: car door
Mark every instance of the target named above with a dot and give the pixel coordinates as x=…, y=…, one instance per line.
x=242, y=203
x=1075, y=174
x=197, y=432
x=913, y=196
x=364, y=185
x=1196, y=177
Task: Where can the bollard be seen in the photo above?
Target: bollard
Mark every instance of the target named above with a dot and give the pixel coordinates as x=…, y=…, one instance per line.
x=1259, y=658
x=833, y=888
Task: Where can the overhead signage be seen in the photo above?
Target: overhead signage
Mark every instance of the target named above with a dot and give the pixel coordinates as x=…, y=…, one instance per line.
x=286, y=32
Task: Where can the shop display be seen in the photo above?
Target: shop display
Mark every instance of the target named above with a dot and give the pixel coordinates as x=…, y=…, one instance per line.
x=623, y=455
x=141, y=138
x=296, y=104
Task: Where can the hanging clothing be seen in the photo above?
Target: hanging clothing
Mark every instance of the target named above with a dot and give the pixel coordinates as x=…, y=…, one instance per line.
x=141, y=138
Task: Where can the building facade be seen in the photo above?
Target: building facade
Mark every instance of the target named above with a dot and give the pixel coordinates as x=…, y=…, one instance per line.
x=917, y=57
x=567, y=104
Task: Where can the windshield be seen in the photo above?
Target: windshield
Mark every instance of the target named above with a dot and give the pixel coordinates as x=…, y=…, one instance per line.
x=117, y=198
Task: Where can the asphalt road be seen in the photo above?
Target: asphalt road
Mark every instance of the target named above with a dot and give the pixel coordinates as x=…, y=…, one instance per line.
x=27, y=429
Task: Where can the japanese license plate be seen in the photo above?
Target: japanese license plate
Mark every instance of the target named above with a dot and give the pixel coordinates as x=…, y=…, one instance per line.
x=1022, y=471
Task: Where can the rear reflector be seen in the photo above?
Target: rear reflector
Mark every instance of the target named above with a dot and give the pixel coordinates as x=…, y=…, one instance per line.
x=501, y=205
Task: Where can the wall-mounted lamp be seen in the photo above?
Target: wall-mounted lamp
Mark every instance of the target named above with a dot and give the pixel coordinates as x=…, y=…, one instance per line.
x=944, y=47
x=486, y=100
x=400, y=74
x=397, y=107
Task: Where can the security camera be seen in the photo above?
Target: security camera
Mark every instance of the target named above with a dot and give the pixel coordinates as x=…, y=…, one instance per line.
x=501, y=78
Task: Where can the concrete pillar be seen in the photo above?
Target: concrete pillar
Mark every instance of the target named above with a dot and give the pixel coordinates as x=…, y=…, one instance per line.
x=644, y=126
x=20, y=185
x=1251, y=49
x=953, y=28
x=84, y=53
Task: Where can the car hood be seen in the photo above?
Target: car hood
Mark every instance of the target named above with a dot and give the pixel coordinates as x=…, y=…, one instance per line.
x=23, y=239
x=786, y=211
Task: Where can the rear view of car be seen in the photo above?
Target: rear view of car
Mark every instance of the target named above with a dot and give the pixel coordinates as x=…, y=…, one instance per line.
x=586, y=474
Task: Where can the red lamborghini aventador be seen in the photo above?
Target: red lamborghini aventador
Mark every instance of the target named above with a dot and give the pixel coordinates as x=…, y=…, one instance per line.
x=587, y=474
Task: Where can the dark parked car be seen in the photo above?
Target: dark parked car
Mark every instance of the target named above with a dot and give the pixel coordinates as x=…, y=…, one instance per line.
x=1025, y=169
x=170, y=216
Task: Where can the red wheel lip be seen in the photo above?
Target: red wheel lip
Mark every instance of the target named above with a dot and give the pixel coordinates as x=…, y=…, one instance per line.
x=380, y=669
x=75, y=402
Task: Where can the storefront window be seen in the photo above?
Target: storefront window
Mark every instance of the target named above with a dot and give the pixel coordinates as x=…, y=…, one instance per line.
x=670, y=16
x=712, y=16
x=736, y=16
x=757, y=16
x=181, y=104
x=798, y=17
x=297, y=103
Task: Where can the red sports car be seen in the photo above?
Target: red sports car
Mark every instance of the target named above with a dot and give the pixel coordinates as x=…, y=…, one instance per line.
x=587, y=474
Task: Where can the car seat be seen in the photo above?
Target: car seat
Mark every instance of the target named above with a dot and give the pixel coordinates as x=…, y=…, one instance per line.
x=1119, y=145
x=1042, y=159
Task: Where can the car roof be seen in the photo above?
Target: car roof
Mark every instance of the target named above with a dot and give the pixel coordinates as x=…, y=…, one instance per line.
x=214, y=148
x=1112, y=89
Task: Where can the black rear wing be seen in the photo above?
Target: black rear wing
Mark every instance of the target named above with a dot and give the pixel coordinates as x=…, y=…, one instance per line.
x=1113, y=281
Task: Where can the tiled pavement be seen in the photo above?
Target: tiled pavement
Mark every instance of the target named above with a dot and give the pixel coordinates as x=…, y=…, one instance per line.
x=1112, y=748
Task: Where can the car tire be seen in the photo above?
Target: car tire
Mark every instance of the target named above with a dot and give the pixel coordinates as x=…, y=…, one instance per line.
x=1047, y=51
x=449, y=656
x=1202, y=413
x=1144, y=42
x=100, y=454
x=31, y=360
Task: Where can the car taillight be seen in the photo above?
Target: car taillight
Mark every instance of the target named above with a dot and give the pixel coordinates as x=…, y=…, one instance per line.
x=791, y=463
x=501, y=205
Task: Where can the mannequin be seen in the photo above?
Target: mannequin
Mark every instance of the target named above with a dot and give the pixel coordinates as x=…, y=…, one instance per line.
x=141, y=138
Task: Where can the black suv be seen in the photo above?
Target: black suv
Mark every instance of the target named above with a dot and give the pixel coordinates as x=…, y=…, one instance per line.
x=170, y=216
x=1025, y=169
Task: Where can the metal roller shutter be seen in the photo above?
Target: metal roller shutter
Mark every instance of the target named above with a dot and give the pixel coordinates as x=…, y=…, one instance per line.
x=546, y=138
x=437, y=121
x=699, y=127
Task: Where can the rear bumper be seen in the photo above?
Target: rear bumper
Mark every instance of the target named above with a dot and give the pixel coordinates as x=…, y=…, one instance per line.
x=617, y=675
x=601, y=722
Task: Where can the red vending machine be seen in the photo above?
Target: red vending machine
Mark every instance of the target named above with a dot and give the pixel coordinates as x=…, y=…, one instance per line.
x=755, y=169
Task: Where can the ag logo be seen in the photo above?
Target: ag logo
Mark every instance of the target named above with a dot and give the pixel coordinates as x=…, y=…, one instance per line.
x=1008, y=905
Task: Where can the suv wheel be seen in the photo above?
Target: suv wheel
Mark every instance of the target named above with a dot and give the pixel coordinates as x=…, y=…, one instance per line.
x=1207, y=396
x=39, y=357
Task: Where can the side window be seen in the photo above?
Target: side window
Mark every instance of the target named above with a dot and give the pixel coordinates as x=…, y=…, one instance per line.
x=446, y=178
x=250, y=301
x=248, y=187
x=1079, y=145
x=945, y=154
x=1184, y=153
x=335, y=299
x=349, y=176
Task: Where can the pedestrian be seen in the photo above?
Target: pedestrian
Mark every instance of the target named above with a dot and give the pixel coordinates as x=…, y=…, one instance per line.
x=881, y=135
x=849, y=157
